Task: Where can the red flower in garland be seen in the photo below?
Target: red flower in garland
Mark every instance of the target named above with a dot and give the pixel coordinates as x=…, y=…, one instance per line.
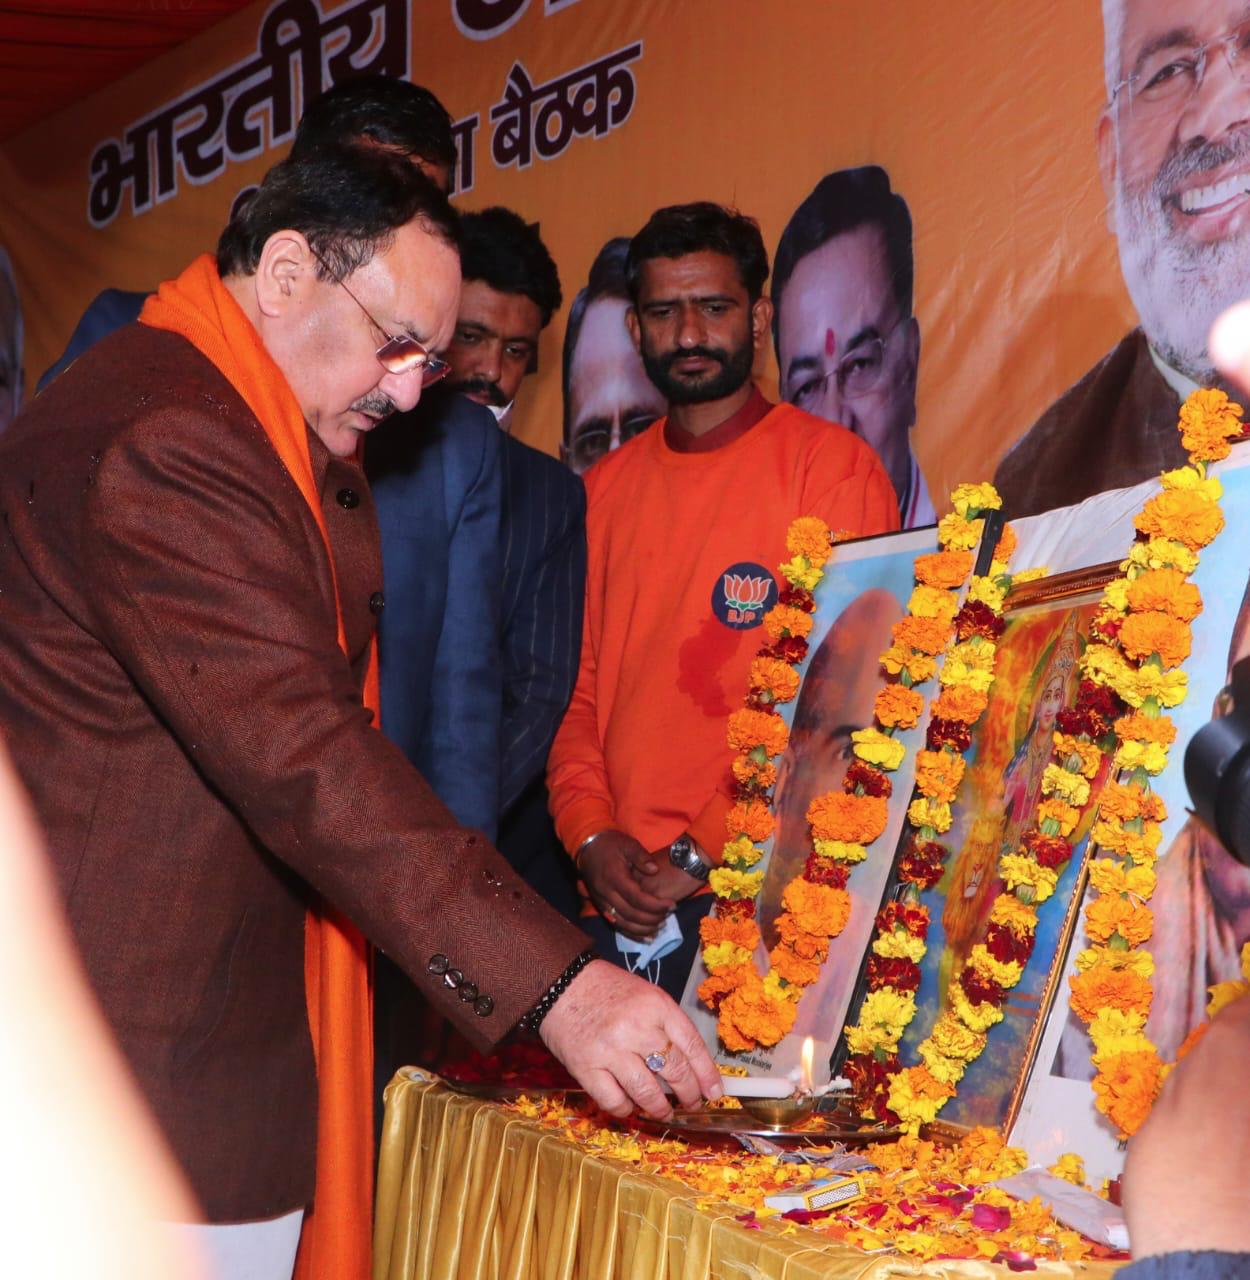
x=873, y=781
x=1047, y=851
x=1102, y=704
x=1106, y=629
x=827, y=871
x=892, y=971
x=797, y=598
x=923, y=864
x=948, y=733
x=904, y=915
x=870, y=1081
x=1006, y=946
x=981, y=990
x=791, y=649
x=1076, y=721
x=978, y=619
x=736, y=909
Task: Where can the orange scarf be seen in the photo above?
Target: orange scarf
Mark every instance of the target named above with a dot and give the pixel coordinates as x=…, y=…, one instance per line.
x=335, y=1243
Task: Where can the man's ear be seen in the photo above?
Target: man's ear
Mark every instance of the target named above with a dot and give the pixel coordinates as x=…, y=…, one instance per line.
x=634, y=325
x=1107, y=162
x=761, y=321
x=286, y=270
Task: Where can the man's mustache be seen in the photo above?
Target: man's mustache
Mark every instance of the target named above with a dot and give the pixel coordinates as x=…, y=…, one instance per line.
x=670, y=358
x=376, y=404
x=481, y=386
x=1199, y=156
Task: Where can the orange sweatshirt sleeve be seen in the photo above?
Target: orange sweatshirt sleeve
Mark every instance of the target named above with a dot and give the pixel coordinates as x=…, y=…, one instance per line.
x=577, y=777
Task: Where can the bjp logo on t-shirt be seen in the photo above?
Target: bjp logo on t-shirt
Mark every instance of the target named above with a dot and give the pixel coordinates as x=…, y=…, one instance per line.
x=743, y=595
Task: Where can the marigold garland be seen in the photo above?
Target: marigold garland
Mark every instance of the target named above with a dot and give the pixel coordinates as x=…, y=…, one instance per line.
x=969, y=641
x=1142, y=635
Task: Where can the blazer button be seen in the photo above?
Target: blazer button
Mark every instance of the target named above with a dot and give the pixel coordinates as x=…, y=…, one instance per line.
x=483, y=1006
x=348, y=498
x=438, y=965
x=377, y=602
x=453, y=978
x=468, y=992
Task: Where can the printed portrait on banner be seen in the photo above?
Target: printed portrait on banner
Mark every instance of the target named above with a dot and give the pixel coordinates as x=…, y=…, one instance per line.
x=847, y=341
x=863, y=594
x=1173, y=145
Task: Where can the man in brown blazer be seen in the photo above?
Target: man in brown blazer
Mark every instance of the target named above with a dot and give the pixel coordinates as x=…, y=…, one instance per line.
x=181, y=674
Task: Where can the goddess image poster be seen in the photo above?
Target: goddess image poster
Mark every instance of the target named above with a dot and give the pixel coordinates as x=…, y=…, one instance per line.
x=863, y=594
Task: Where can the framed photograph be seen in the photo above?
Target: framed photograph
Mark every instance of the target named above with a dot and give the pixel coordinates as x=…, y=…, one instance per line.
x=1201, y=904
x=1047, y=629
x=863, y=594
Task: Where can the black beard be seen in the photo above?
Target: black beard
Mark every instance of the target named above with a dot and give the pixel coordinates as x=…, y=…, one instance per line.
x=735, y=369
x=491, y=390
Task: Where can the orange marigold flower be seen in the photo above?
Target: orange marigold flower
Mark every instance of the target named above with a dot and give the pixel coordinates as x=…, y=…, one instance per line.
x=750, y=818
x=1007, y=543
x=818, y=909
x=1060, y=812
x=960, y=702
x=1167, y=591
x=943, y=568
x=1127, y=802
x=1208, y=421
x=1139, y=727
x=775, y=677
x=1125, y=1089
x=1153, y=632
x=794, y=968
x=786, y=620
x=750, y=1016
x=747, y=770
x=898, y=707
x=1103, y=987
x=714, y=988
x=740, y=930
x=928, y=635
x=802, y=943
x=853, y=819
x=1184, y=515
x=808, y=536
x=1110, y=914
x=938, y=774
x=749, y=729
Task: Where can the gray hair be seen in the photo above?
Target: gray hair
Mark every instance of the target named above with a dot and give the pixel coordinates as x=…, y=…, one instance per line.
x=1113, y=40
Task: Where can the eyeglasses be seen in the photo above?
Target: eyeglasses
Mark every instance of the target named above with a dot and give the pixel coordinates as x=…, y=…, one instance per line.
x=398, y=354
x=858, y=373
x=1171, y=76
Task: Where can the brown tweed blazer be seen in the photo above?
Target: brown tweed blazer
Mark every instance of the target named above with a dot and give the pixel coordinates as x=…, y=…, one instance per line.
x=174, y=696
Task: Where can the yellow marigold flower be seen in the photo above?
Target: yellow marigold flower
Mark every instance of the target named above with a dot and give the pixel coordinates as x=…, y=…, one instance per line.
x=726, y=882
x=1141, y=755
x=1020, y=871
x=898, y=944
x=988, y=592
x=977, y=652
x=853, y=819
x=1060, y=813
x=1140, y=962
x=898, y=707
x=775, y=677
x=1168, y=688
x=1104, y=664
x=1165, y=591
x=954, y=1040
x=1013, y=914
x=933, y=602
x=941, y=1068
x=842, y=850
x=725, y=955
x=923, y=812
x=1021, y=576
x=1191, y=479
x=938, y=774
x=1245, y=961
x=741, y=853
x=786, y=620
x=774, y=989
x=976, y=1017
x=798, y=573
x=955, y=533
x=1119, y=1030
x=875, y=747
x=916, y=1097
x=1162, y=553
x=1222, y=994
x=899, y=658
x=1071, y=1168
x=961, y=675
x=944, y=569
x=1140, y=882
x=975, y=497
x=1057, y=781
x=1106, y=875
x=808, y=537
x=749, y=728
x=1115, y=595
x=883, y=1017
x=1006, y=973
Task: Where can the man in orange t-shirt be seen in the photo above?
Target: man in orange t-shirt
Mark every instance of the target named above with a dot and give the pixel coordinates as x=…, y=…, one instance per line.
x=685, y=525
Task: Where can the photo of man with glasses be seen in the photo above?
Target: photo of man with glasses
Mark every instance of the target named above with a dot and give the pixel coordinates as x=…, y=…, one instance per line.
x=848, y=346
x=1174, y=152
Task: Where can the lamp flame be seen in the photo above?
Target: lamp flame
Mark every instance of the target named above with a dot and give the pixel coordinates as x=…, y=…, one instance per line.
x=805, y=1059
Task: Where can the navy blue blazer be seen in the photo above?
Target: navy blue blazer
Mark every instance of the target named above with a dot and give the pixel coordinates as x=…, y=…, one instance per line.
x=436, y=477
x=107, y=312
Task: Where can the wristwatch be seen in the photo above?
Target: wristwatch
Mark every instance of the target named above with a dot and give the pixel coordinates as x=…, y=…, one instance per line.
x=685, y=857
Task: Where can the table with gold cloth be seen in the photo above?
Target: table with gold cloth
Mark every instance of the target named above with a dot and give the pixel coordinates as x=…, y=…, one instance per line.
x=468, y=1189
